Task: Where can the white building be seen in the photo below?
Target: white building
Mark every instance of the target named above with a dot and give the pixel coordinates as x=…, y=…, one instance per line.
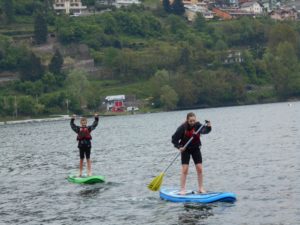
x=284, y=14
x=120, y=3
x=115, y=103
x=192, y=10
x=69, y=6
x=252, y=7
x=233, y=56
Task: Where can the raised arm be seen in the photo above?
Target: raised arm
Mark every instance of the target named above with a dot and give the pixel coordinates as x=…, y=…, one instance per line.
x=73, y=126
x=95, y=123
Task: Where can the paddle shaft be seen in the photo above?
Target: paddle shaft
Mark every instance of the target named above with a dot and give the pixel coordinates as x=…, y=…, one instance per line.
x=186, y=144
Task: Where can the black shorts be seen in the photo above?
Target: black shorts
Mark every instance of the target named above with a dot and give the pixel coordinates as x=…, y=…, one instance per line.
x=85, y=152
x=196, y=155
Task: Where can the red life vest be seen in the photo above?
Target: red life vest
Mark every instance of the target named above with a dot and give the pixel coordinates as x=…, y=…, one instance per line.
x=191, y=133
x=84, y=134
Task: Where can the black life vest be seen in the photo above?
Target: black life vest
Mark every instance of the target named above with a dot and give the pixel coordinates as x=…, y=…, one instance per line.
x=84, y=134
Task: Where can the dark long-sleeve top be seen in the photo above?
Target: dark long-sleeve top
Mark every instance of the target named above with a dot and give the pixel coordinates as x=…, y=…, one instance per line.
x=76, y=129
x=179, y=139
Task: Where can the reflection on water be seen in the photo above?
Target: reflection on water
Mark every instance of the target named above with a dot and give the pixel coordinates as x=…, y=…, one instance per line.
x=195, y=214
x=91, y=192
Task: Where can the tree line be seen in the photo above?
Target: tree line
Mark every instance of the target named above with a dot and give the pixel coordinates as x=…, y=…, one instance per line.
x=182, y=64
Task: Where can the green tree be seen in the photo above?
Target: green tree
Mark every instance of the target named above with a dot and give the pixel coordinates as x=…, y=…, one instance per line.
x=249, y=67
x=284, y=69
x=89, y=2
x=111, y=60
x=178, y=7
x=110, y=24
x=28, y=106
x=221, y=45
x=24, y=7
x=160, y=78
x=185, y=57
x=282, y=32
x=8, y=9
x=30, y=88
x=49, y=82
x=40, y=28
x=168, y=97
x=151, y=25
x=56, y=63
x=129, y=23
x=78, y=86
x=31, y=68
x=54, y=102
x=10, y=54
x=214, y=88
x=177, y=25
x=167, y=6
x=186, y=90
x=199, y=23
x=8, y=105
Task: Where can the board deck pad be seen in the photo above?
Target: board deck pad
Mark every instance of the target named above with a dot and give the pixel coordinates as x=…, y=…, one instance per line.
x=172, y=194
x=86, y=179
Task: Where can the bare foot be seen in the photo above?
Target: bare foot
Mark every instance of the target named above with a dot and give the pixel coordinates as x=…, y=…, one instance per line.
x=89, y=174
x=182, y=192
x=202, y=191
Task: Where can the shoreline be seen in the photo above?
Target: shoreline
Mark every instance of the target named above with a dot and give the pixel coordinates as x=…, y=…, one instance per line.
x=34, y=120
x=52, y=118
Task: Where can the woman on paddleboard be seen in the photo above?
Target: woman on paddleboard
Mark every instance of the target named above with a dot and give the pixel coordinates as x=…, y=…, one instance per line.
x=183, y=133
x=84, y=141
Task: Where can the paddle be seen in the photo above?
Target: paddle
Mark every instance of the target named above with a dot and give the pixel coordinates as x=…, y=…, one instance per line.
x=157, y=181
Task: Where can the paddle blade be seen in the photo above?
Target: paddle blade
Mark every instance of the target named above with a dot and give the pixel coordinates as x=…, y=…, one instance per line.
x=156, y=182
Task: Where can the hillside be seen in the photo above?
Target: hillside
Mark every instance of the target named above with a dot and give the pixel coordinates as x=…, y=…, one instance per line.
x=47, y=60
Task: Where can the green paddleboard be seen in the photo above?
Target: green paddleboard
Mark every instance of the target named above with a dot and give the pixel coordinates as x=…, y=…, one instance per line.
x=86, y=180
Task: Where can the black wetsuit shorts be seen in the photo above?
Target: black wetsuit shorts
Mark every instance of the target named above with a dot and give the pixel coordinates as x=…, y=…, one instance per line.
x=194, y=152
x=85, y=152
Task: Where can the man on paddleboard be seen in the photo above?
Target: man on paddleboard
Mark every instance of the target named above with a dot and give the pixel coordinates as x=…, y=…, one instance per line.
x=183, y=133
x=84, y=141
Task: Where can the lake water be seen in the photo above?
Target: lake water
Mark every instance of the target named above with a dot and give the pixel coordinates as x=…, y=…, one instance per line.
x=253, y=151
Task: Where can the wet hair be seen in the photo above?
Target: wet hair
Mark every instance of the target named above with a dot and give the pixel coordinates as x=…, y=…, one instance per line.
x=83, y=119
x=190, y=114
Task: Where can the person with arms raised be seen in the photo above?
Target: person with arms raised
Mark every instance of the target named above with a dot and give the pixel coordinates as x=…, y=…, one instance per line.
x=84, y=141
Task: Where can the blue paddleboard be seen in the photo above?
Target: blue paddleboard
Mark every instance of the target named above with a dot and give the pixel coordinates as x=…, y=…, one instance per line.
x=172, y=194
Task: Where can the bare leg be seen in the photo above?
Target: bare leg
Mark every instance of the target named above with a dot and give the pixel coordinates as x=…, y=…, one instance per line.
x=80, y=167
x=89, y=167
x=184, y=173
x=199, y=170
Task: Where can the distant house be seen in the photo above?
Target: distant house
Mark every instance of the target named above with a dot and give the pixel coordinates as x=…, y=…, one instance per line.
x=192, y=10
x=233, y=3
x=284, y=14
x=74, y=7
x=125, y=3
x=115, y=103
x=222, y=14
x=233, y=56
x=292, y=4
x=252, y=7
x=190, y=2
x=269, y=5
x=241, y=2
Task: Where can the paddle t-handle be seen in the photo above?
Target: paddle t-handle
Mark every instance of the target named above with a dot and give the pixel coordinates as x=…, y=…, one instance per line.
x=186, y=144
